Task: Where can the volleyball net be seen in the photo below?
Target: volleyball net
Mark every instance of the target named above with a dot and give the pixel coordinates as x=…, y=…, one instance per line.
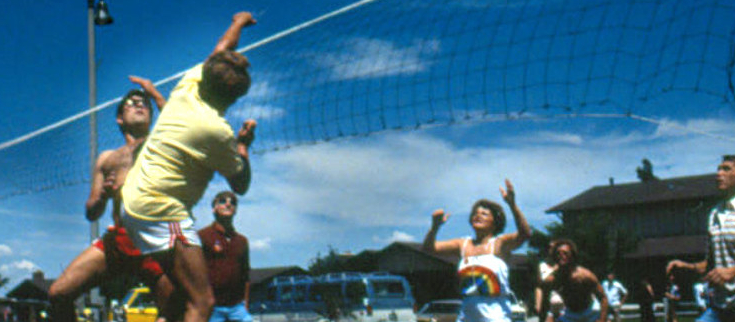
x=383, y=65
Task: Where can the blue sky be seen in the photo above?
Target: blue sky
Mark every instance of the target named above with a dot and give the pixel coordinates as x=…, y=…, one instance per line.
x=374, y=69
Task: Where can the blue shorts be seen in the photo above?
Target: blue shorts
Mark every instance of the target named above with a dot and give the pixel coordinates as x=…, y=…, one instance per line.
x=235, y=313
x=588, y=315
x=717, y=315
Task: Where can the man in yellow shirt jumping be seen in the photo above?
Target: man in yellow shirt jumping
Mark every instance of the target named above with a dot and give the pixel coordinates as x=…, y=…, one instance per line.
x=190, y=141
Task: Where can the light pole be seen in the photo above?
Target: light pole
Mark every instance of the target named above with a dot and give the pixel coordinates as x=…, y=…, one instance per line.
x=96, y=15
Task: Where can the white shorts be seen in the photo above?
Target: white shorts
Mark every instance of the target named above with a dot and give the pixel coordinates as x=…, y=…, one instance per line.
x=156, y=236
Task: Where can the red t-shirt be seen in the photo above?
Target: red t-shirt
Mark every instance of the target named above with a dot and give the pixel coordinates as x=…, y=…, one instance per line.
x=228, y=263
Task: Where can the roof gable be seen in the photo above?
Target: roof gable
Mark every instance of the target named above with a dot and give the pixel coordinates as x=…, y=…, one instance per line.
x=29, y=290
x=680, y=188
x=258, y=275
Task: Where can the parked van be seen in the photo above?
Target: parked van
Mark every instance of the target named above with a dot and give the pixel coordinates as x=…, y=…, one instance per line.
x=355, y=297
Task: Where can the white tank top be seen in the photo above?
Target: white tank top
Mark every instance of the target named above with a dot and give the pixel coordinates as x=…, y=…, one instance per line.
x=484, y=286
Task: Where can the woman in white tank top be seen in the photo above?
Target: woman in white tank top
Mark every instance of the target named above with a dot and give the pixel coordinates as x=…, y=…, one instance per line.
x=482, y=271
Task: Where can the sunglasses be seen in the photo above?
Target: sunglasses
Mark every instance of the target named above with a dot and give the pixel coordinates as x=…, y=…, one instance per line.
x=135, y=102
x=226, y=200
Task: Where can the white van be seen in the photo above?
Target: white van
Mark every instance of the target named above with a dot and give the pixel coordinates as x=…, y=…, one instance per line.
x=349, y=297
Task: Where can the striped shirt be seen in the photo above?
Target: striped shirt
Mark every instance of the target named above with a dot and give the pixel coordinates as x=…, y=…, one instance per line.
x=722, y=249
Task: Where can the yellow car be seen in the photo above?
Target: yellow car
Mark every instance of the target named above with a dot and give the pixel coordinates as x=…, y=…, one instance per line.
x=139, y=305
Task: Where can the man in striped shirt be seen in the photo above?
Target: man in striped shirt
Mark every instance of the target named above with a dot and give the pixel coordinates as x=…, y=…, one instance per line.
x=719, y=266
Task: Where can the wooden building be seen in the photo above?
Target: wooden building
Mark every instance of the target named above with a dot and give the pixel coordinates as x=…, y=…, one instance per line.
x=28, y=299
x=668, y=216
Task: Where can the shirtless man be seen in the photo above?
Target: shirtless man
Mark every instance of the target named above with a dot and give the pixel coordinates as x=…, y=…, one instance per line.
x=114, y=252
x=575, y=284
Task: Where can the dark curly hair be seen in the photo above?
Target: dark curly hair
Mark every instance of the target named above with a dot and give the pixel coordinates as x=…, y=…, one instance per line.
x=131, y=93
x=561, y=242
x=495, y=209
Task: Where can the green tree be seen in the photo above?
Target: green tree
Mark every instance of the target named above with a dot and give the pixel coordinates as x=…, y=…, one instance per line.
x=3, y=281
x=330, y=263
x=600, y=244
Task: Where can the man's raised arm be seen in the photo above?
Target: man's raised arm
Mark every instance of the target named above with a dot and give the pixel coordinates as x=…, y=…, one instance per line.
x=149, y=88
x=240, y=182
x=231, y=37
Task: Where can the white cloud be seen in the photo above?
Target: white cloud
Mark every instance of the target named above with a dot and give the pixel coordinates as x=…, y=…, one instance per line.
x=551, y=137
x=669, y=128
x=5, y=250
x=261, y=244
x=344, y=193
x=253, y=104
x=21, y=265
x=369, y=58
x=261, y=90
x=24, y=265
x=397, y=236
x=258, y=112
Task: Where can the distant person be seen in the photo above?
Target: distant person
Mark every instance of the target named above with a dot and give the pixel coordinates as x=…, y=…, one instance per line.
x=556, y=304
x=646, y=297
x=190, y=141
x=718, y=268
x=616, y=295
x=483, y=271
x=671, y=300
x=699, y=290
x=228, y=262
x=113, y=254
x=576, y=285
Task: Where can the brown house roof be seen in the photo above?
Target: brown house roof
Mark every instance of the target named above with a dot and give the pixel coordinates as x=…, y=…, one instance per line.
x=258, y=275
x=31, y=290
x=416, y=247
x=670, y=246
x=681, y=188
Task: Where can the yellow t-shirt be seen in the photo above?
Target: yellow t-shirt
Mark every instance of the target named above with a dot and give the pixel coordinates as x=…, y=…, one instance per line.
x=188, y=143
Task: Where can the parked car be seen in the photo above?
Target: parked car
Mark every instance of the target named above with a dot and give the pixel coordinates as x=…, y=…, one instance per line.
x=518, y=311
x=139, y=305
x=447, y=310
x=439, y=311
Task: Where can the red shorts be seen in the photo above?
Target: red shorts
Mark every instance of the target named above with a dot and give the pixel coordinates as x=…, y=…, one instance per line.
x=123, y=257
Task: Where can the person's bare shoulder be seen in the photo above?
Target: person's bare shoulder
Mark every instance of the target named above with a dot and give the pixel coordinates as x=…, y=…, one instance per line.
x=117, y=159
x=104, y=158
x=583, y=274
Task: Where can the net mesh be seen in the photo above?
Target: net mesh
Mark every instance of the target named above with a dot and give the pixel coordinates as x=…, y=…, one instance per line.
x=405, y=64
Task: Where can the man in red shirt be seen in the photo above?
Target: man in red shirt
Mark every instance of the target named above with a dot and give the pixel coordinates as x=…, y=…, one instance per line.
x=228, y=262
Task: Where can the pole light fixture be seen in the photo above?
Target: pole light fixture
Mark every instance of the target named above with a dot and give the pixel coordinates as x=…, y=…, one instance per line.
x=102, y=14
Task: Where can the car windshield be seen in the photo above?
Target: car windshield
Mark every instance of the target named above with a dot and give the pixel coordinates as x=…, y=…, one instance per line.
x=441, y=308
x=143, y=300
x=383, y=289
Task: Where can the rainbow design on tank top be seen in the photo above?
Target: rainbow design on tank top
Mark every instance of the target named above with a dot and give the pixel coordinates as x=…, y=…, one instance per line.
x=478, y=280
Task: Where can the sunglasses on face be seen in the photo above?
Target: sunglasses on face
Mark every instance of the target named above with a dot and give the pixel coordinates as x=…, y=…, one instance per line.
x=226, y=200
x=135, y=102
